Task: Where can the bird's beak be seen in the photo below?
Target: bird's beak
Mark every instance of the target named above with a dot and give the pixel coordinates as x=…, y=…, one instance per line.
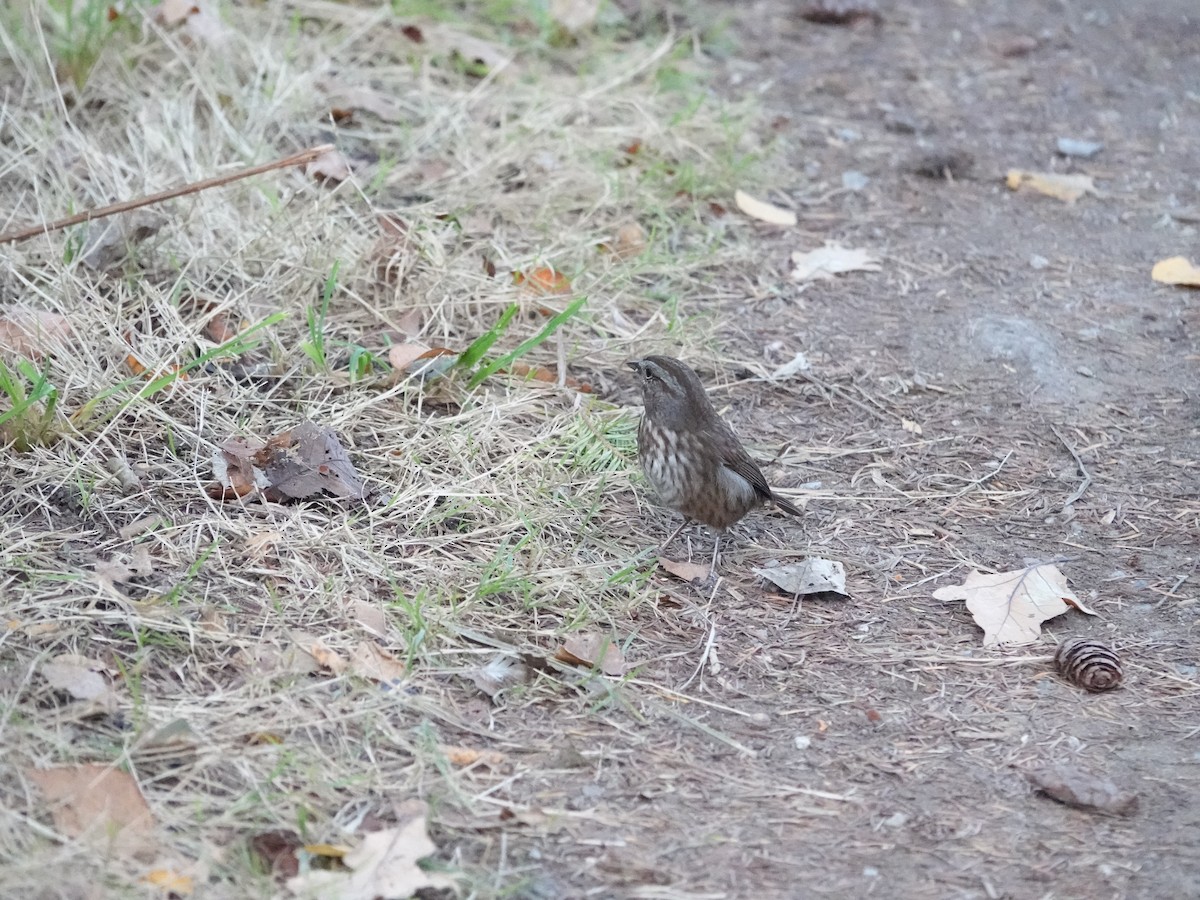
x=635, y=364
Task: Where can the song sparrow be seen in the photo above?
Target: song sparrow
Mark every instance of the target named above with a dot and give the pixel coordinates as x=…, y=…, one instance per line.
x=692, y=458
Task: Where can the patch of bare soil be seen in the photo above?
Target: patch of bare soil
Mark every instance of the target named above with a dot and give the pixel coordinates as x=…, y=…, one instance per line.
x=871, y=746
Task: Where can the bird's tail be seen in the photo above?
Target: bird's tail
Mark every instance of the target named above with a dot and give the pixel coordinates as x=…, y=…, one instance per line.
x=786, y=505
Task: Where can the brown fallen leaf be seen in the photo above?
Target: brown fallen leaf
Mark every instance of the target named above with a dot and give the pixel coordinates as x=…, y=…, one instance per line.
x=543, y=281
x=592, y=649
x=233, y=467
x=630, y=241
x=468, y=756
x=684, y=570
x=414, y=359
x=32, y=333
x=329, y=168
x=1011, y=606
x=1082, y=789
x=385, y=865
x=305, y=461
x=319, y=651
x=276, y=850
x=370, y=617
x=763, y=211
x=1176, y=270
x=100, y=805
x=1067, y=188
x=368, y=660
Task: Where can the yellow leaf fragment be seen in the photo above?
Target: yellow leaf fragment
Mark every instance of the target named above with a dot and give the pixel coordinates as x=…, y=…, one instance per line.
x=1067, y=188
x=1176, y=270
x=764, y=211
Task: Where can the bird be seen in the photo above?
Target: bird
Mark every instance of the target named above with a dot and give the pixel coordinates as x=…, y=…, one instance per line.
x=691, y=457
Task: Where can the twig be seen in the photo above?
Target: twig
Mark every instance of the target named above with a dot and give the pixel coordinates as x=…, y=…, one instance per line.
x=1087, y=476
x=296, y=159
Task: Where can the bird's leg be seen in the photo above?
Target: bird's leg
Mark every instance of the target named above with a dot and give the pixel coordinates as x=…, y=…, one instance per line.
x=674, y=534
x=712, y=569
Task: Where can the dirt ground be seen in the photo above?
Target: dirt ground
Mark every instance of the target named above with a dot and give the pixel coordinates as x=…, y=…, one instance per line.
x=1011, y=349
x=1001, y=316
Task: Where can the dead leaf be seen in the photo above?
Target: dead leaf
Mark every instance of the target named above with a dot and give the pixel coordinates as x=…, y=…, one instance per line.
x=1176, y=270
x=108, y=241
x=383, y=865
x=355, y=98
x=630, y=241
x=1077, y=787
x=112, y=573
x=813, y=576
x=331, y=167
x=1067, y=188
x=500, y=672
x=468, y=756
x=307, y=460
x=414, y=359
x=99, y=804
x=586, y=648
x=233, y=467
x=78, y=676
x=684, y=570
x=763, y=211
x=543, y=281
x=1011, y=606
x=370, y=617
x=170, y=881
x=369, y=661
x=319, y=651
x=32, y=333
x=831, y=260
x=194, y=18
x=276, y=850
x=574, y=15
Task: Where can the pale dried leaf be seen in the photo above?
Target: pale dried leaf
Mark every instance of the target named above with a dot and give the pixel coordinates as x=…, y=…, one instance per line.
x=78, y=676
x=101, y=805
x=325, y=657
x=468, y=756
x=813, y=576
x=763, y=211
x=32, y=333
x=684, y=570
x=331, y=167
x=370, y=617
x=369, y=661
x=384, y=865
x=590, y=649
x=1011, y=606
x=1176, y=270
x=1086, y=790
x=1067, y=188
x=574, y=15
x=831, y=260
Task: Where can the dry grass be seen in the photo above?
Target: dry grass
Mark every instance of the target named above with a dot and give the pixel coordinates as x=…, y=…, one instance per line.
x=755, y=742
x=504, y=511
